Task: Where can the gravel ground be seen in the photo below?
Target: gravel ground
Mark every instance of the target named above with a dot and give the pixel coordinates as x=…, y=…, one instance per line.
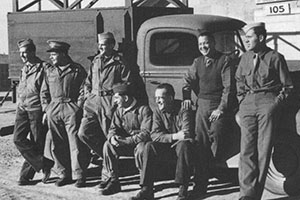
x=11, y=161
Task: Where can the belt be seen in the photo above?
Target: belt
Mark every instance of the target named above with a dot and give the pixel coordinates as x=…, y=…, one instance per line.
x=63, y=100
x=259, y=91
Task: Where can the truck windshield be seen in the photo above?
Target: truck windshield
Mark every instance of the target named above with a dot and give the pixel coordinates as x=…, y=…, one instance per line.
x=180, y=49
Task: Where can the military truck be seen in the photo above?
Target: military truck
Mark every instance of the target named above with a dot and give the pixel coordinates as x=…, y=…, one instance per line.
x=159, y=40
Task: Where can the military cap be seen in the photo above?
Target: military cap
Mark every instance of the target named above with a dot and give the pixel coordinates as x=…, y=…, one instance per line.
x=25, y=43
x=57, y=46
x=247, y=27
x=105, y=36
x=122, y=88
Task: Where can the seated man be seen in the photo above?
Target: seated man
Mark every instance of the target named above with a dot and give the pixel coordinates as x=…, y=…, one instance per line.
x=129, y=130
x=172, y=139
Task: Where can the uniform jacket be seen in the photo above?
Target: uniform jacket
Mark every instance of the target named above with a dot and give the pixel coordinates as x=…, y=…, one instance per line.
x=166, y=123
x=133, y=124
x=271, y=74
x=63, y=85
x=32, y=75
x=104, y=74
x=217, y=79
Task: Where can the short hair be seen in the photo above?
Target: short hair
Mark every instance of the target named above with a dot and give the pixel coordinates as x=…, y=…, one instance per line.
x=206, y=33
x=168, y=87
x=260, y=31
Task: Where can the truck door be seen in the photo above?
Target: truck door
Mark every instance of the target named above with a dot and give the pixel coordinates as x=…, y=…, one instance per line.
x=168, y=55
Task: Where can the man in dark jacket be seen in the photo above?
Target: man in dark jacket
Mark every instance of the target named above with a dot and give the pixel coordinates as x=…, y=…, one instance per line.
x=172, y=140
x=62, y=96
x=29, y=114
x=210, y=77
x=129, y=130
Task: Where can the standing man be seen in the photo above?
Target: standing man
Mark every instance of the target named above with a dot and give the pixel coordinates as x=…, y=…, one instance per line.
x=106, y=70
x=263, y=84
x=62, y=98
x=130, y=129
x=210, y=77
x=172, y=140
x=29, y=115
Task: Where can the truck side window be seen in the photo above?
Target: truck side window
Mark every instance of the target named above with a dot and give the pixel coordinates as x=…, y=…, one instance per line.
x=173, y=49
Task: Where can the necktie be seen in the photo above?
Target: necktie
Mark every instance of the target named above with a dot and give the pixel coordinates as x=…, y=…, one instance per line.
x=255, y=61
x=208, y=62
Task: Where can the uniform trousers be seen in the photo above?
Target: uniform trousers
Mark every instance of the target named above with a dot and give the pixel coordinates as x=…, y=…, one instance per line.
x=95, y=123
x=64, y=121
x=156, y=153
x=29, y=123
x=111, y=154
x=209, y=139
x=259, y=117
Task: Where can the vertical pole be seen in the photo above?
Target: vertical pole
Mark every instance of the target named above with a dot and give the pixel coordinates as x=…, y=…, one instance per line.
x=128, y=3
x=66, y=4
x=14, y=92
x=15, y=5
x=40, y=5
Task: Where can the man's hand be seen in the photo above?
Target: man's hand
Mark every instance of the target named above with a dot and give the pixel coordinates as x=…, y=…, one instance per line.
x=180, y=135
x=215, y=115
x=187, y=104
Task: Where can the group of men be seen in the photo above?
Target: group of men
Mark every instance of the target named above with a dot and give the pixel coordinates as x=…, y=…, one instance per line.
x=99, y=112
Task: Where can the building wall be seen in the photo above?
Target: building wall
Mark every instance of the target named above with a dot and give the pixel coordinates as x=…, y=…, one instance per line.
x=4, y=81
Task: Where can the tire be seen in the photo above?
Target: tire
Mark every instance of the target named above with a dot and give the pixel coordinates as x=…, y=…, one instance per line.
x=283, y=176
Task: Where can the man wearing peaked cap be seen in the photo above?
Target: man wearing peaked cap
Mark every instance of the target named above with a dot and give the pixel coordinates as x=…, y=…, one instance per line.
x=62, y=95
x=58, y=46
x=29, y=115
x=128, y=132
x=263, y=84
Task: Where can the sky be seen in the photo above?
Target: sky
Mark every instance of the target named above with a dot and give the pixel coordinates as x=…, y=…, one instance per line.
x=6, y=6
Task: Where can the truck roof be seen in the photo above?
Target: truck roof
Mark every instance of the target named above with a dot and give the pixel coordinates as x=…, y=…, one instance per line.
x=211, y=23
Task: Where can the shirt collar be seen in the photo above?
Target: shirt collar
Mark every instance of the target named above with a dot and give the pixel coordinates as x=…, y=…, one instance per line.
x=134, y=102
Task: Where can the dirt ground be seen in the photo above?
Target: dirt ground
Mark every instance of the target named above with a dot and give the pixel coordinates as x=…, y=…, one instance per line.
x=11, y=161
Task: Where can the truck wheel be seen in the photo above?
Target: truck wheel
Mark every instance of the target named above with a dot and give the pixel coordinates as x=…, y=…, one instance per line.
x=284, y=171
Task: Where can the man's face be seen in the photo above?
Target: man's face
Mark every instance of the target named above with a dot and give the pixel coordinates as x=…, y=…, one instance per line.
x=26, y=56
x=105, y=47
x=206, y=45
x=162, y=100
x=119, y=100
x=56, y=57
x=251, y=40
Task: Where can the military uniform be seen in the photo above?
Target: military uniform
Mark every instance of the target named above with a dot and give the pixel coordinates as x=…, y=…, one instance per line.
x=263, y=83
x=29, y=116
x=134, y=125
x=98, y=107
x=62, y=96
x=210, y=79
x=163, y=148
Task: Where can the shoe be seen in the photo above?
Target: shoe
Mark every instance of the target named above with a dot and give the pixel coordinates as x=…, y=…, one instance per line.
x=63, y=181
x=103, y=183
x=80, y=183
x=112, y=187
x=48, y=164
x=23, y=181
x=144, y=194
x=183, y=192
